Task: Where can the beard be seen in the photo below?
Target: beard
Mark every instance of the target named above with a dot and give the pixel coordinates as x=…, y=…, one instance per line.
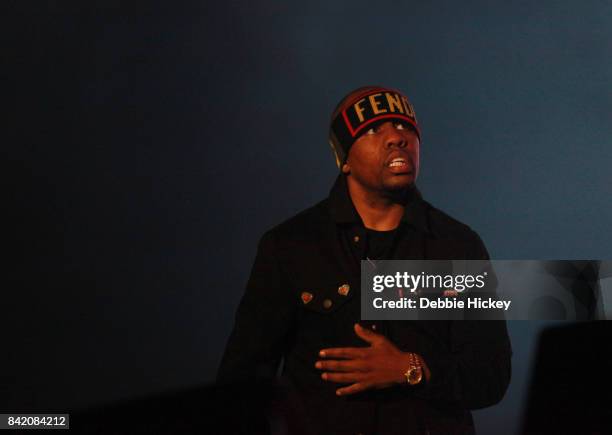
x=401, y=192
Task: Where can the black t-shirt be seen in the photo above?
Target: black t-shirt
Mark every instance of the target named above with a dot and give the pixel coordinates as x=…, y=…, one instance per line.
x=379, y=244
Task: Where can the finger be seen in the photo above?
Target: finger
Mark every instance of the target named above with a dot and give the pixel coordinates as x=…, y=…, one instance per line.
x=345, y=378
x=367, y=335
x=340, y=365
x=343, y=352
x=352, y=389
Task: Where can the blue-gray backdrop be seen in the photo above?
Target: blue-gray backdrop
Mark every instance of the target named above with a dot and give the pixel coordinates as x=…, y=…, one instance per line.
x=153, y=144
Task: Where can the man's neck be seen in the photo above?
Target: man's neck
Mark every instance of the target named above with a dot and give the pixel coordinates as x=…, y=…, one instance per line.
x=378, y=211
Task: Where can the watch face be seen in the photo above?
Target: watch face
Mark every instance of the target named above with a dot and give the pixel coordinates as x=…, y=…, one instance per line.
x=414, y=375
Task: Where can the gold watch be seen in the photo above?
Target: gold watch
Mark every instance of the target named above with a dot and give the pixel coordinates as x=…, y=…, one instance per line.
x=414, y=374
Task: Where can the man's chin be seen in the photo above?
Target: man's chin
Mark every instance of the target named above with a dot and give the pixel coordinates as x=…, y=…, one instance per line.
x=399, y=184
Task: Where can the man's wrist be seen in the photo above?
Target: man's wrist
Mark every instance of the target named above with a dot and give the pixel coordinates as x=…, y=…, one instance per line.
x=404, y=362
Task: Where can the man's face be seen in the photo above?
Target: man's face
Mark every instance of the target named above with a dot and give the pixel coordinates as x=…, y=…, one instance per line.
x=385, y=158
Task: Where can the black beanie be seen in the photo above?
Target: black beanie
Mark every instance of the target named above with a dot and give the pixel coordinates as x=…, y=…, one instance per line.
x=358, y=110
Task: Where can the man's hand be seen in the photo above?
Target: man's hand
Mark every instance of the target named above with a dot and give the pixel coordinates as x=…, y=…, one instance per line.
x=379, y=366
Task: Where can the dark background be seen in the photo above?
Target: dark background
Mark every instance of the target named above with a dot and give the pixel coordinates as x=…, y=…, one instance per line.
x=149, y=146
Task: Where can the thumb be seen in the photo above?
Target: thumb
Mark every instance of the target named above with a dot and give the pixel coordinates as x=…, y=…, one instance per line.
x=366, y=335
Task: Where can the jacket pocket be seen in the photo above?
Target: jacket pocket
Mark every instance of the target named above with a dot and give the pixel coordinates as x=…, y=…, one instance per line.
x=327, y=315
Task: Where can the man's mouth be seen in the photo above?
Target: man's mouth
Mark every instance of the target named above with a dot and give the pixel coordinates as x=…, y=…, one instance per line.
x=400, y=165
x=397, y=162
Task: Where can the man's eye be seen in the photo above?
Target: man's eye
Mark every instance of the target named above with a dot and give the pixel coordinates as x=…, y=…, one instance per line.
x=399, y=126
x=371, y=131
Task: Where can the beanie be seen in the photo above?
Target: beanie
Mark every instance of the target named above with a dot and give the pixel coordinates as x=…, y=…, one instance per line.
x=365, y=108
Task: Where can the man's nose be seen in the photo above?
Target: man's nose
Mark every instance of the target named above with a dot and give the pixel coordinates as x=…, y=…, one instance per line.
x=393, y=137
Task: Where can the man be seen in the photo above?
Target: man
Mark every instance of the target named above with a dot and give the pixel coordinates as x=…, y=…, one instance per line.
x=301, y=305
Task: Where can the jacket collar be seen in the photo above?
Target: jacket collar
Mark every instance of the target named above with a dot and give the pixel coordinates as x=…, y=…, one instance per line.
x=343, y=211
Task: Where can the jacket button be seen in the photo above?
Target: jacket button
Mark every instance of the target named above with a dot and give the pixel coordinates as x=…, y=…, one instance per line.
x=327, y=303
x=356, y=239
x=344, y=289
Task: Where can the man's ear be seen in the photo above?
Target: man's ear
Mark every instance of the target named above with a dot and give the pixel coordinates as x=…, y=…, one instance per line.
x=346, y=169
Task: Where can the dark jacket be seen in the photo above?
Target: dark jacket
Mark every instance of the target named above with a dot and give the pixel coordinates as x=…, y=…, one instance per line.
x=316, y=252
